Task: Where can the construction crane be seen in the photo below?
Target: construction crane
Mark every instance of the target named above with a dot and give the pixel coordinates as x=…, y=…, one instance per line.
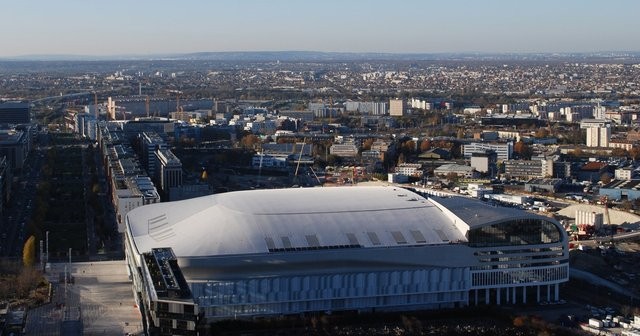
x=299, y=156
x=178, y=93
x=604, y=199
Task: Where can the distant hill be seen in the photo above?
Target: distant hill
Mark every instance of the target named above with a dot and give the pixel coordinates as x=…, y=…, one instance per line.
x=289, y=56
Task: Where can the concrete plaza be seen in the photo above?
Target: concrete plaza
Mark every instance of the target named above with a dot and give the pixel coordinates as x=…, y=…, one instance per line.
x=103, y=292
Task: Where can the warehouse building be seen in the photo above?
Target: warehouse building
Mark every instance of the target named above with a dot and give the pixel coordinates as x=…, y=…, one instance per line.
x=291, y=251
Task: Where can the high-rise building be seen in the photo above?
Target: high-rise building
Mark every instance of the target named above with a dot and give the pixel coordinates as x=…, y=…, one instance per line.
x=85, y=125
x=15, y=145
x=15, y=112
x=169, y=170
x=5, y=183
x=598, y=136
x=111, y=108
x=396, y=107
x=151, y=142
x=378, y=108
x=366, y=108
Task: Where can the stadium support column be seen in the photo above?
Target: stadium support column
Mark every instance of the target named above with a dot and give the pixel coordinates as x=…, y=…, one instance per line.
x=548, y=292
x=557, y=292
x=486, y=296
x=524, y=294
x=476, y=296
x=508, y=298
x=498, y=290
x=538, y=294
x=514, y=297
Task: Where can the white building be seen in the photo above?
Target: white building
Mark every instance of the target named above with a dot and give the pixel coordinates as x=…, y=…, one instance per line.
x=625, y=173
x=595, y=219
x=409, y=169
x=366, y=108
x=290, y=251
x=420, y=104
x=503, y=150
x=598, y=136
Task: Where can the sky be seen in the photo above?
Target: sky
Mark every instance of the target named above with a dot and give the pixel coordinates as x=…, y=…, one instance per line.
x=148, y=27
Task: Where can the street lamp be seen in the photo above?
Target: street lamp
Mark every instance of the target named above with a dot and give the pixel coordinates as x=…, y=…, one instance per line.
x=46, y=248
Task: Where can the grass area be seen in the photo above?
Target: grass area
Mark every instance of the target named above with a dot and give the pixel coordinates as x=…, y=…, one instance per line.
x=22, y=286
x=60, y=204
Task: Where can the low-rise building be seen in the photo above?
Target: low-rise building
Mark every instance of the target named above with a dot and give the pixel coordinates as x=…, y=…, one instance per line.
x=619, y=190
x=344, y=150
x=524, y=169
x=452, y=168
x=625, y=173
x=550, y=185
x=409, y=169
x=504, y=151
x=262, y=160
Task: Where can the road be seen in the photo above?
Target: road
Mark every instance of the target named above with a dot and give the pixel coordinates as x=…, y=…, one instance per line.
x=22, y=202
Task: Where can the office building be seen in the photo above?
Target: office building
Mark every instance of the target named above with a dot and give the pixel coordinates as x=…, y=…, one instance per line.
x=15, y=112
x=151, y=142
x=169, y=171
x=504, y=151
x=525, y=169
x=15, y=146
x=6, y=178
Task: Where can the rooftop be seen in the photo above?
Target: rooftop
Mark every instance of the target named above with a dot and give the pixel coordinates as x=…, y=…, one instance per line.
x=623, y=184
x=263, y=221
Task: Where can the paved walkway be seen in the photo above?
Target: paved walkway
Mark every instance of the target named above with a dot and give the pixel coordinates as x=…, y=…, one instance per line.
x=102, y=290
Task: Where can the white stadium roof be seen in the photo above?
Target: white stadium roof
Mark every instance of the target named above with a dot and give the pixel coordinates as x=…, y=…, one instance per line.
x=249, y=222
x=260, y=221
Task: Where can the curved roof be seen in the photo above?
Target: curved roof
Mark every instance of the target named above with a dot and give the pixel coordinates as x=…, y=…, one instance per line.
x=475, y=213
x=260, y=221
x=257, y=221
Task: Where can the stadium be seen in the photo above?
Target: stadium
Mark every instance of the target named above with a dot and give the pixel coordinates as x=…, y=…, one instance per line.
x=289, y=251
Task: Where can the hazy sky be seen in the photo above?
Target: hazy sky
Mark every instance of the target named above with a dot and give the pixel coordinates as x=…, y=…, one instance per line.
x=115, y=27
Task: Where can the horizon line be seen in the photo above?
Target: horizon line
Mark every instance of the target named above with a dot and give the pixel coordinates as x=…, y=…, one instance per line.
x=61, y=56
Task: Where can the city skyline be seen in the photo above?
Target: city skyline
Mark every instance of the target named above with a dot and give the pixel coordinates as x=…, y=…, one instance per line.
x=160, y=27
